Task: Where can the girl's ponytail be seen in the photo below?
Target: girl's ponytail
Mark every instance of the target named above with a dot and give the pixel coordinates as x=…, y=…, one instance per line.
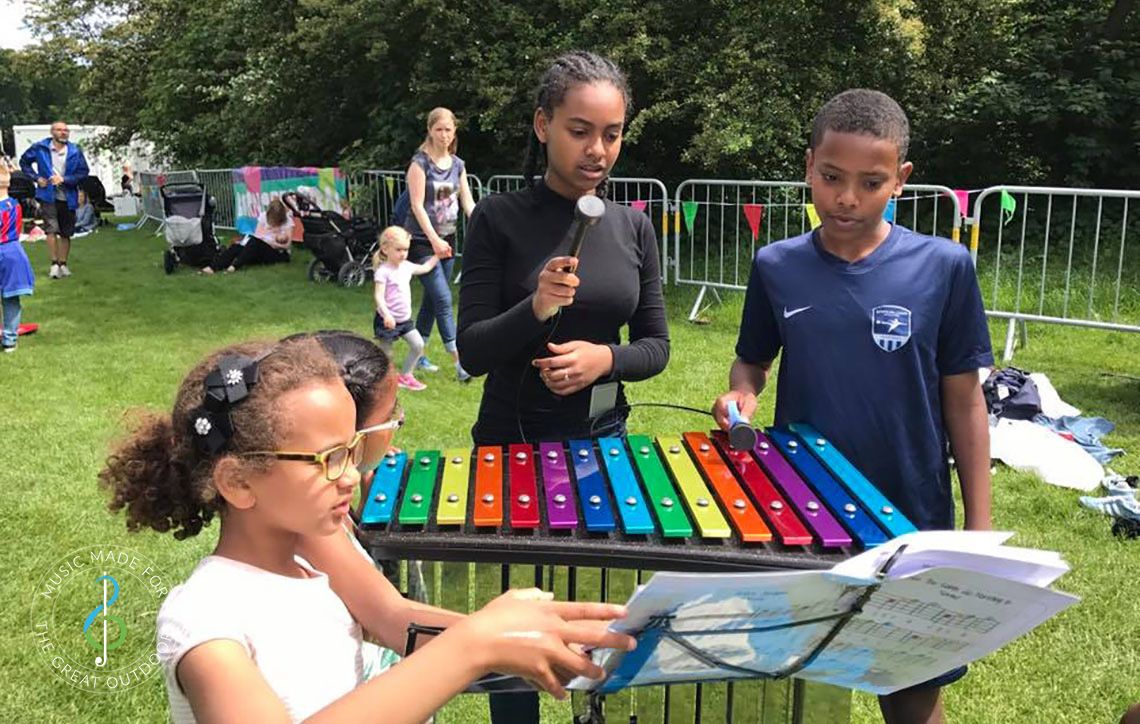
x=151, y=476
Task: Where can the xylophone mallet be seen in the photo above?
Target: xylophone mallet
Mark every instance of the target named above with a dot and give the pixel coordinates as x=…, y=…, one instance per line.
x=741, y=435
x=588, y=211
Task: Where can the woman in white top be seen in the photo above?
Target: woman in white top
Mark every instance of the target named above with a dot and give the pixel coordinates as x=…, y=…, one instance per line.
x=256, y=633
x=270, y=242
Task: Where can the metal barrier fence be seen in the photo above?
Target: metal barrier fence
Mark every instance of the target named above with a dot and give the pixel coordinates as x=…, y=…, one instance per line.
x=648, y=195
x=1064, y=261
x=150, y=184
x=219, y=183
x=374, y=192
x=725, y=221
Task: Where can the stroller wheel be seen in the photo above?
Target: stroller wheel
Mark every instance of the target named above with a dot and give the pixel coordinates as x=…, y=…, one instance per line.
x=351, y=274
x=318, y=272
x=169, y=261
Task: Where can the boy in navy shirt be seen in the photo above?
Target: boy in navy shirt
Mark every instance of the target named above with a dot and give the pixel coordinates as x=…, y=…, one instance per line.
x=883, y=332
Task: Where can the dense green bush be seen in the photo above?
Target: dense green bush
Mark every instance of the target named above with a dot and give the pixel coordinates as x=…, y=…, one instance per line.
x=1029, y=91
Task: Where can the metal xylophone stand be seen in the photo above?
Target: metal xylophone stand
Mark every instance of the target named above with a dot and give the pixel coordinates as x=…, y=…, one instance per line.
x=660, y=627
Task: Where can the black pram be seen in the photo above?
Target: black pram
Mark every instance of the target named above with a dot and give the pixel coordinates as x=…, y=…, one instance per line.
x=342, y=247
x=188, y=226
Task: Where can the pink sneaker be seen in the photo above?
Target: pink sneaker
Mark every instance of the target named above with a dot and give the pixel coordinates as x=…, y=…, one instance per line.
x=409, y=382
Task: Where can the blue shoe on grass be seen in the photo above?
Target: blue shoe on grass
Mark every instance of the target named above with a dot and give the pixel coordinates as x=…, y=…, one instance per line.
x=425, y=364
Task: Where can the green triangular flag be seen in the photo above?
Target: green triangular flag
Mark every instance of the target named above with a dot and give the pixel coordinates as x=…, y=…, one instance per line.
x=690, y=210
x=1008, y=206
x=391, y=185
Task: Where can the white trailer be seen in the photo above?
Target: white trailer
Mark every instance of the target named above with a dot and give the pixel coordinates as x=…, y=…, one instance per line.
x=106, y=163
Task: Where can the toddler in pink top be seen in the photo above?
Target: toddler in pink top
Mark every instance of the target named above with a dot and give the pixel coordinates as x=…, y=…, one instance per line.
x=393, y=295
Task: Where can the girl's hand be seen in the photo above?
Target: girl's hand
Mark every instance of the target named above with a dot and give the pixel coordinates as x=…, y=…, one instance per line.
x=556, y=285
x=389, y=321
x=441, y=248
x=525, y=633
x=575, y=366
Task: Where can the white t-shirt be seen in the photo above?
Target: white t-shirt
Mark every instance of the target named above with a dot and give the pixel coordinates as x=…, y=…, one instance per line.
x=297, y=631
x=397, y=281
x=279, y=237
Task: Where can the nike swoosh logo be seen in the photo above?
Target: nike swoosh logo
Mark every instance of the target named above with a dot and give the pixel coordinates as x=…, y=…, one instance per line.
x=789, y=313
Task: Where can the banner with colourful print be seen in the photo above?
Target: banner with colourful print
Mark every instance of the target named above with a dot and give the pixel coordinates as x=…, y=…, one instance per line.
x=255, y=187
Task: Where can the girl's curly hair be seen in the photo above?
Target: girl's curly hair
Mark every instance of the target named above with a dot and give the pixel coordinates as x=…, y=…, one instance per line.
x=165, y=481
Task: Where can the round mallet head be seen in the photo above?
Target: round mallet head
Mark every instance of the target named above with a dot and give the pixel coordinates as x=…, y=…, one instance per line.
x=741, y=435
x=589, y=209
x=587, y=212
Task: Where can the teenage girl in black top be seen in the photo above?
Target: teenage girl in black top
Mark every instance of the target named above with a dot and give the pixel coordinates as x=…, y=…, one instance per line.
x=545, y=327
x=549, y=339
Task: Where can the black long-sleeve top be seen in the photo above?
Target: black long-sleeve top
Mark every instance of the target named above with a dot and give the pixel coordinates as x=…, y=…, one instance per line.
x=509, y=240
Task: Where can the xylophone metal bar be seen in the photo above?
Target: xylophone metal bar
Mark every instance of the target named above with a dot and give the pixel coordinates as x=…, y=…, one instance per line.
x=485, y=536
x=742, y=701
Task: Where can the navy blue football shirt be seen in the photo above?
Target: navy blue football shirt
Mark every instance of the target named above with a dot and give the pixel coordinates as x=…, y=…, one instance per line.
x=865, y=345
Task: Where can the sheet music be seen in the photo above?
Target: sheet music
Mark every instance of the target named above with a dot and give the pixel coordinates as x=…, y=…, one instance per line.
x=916, y=626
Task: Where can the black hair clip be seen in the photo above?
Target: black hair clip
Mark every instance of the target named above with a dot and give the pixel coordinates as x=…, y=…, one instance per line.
x=232, y=379
x=226, y=386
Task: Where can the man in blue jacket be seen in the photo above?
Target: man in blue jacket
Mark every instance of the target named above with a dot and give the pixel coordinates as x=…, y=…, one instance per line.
x=58, y=166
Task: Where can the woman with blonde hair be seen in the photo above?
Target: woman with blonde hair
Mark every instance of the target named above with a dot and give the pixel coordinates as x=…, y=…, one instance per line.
x=437, y=188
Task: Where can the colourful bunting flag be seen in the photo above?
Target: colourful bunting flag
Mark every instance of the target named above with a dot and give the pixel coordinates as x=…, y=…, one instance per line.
x=690, y=210
x=638, y=205
x=813, y=217
x=963, y=201
x=1008, y=207
x=754, y=212
x=889, y=212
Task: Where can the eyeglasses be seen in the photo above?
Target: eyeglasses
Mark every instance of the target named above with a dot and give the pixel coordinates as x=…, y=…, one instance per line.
x=394, y=424
x=334, y=461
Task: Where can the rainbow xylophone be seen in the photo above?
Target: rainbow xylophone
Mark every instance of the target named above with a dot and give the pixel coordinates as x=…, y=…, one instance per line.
x=670, y=503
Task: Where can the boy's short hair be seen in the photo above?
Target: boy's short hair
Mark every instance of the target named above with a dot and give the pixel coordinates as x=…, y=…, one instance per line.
x=865, y=111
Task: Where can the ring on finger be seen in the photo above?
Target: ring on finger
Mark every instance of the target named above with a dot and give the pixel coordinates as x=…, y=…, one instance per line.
x=566, y=376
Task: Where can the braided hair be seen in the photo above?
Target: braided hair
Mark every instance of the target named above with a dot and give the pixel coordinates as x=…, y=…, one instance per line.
x=362, y=365
x=573, y=68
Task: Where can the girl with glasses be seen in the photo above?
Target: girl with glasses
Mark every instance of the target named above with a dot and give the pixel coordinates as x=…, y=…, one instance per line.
x=264, y=437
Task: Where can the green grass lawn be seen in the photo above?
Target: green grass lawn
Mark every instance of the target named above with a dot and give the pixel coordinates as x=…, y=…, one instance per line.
x=119, y=335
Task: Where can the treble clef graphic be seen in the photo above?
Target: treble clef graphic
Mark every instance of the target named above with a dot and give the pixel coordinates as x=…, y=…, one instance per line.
x=106, y=646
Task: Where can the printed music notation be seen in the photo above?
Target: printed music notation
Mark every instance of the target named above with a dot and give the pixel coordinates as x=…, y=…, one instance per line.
x=954, y=608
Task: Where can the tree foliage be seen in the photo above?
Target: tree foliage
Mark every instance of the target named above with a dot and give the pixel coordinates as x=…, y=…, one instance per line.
x=1027, y=91
x=36, y=86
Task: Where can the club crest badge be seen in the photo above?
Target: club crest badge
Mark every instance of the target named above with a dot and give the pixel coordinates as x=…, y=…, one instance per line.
x=890, y=326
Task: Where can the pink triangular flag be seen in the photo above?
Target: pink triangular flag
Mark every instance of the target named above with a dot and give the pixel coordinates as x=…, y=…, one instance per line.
x=638, y=205
x=754, y=212
x=963, y=201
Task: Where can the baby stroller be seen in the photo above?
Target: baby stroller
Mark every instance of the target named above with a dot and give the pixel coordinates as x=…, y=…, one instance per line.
x=342, y=248
x=23, y=190
x=188, y=225
x=22, y=186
